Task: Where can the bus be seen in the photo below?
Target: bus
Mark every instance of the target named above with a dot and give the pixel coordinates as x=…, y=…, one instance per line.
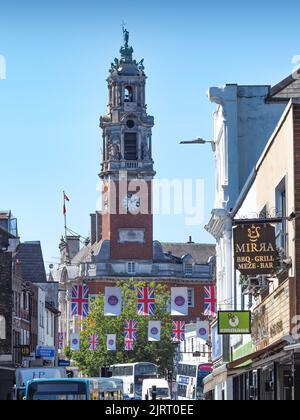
x=189, y=380
x=133, y=375
x=23, y=375
x=75, y=389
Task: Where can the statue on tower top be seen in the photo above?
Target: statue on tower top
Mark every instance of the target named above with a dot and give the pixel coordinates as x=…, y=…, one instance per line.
x=126, y=37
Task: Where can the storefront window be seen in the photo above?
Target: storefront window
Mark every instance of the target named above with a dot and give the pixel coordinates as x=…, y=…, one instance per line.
x=2, y=328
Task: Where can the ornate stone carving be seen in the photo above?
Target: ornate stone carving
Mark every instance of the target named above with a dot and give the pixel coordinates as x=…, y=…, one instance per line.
x=114, y=149
x=145, y=152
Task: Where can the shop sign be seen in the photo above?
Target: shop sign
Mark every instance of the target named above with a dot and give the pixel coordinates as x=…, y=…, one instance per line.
x=217, y=343
x=47, y=353
x=255, y=249
x=272, y=319
x=234, y=322
x=25, y=351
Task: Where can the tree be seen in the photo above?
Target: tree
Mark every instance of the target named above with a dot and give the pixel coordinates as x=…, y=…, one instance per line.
x=162, y=353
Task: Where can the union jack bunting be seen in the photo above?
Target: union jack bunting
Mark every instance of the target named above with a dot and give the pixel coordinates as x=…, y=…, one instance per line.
x=60, y=341
x=80, y=301
x=178, y=331
x=129, y=345
x=130, y=330
x=146, y=301
x=93, y=342
x=210, y=301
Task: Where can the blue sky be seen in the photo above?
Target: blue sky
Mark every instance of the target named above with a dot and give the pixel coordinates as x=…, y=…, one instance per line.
x=58, y=54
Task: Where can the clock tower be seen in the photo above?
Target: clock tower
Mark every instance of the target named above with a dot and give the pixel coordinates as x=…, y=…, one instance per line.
x=127, y=168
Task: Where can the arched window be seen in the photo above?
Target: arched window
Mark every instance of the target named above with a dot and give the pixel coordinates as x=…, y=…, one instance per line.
x=2, y=328
x=128, y=94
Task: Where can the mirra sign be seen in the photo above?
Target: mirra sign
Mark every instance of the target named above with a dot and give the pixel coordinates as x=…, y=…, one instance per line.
x=255, y=249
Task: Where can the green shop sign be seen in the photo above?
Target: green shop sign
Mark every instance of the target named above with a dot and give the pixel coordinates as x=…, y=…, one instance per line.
x=234, y=322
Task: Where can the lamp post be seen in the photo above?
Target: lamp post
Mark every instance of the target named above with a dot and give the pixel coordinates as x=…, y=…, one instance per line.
x=199, y=140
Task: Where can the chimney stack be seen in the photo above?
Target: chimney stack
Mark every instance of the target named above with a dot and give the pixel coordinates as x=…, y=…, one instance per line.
x=73, y=246
x=98, y=226
x=93, y=228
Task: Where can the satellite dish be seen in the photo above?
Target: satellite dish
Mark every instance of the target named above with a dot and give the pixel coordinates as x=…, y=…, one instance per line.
x=51, y=266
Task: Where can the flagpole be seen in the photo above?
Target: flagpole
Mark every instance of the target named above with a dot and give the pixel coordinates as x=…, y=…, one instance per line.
x=65, y=214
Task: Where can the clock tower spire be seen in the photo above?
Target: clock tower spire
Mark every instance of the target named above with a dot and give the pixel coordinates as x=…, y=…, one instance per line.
x=127, y=168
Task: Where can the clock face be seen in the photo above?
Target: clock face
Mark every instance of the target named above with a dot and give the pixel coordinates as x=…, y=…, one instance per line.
x=132, y=203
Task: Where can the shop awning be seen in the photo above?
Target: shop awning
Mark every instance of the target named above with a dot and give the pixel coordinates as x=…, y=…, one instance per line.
x=219, y=376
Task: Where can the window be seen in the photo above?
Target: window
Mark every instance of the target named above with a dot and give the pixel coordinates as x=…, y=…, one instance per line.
x=192, y=345
x=188, y=269
x=42, y=314
x=131, y=267
x=128, y=94
x=122, y=371
x=2, y=328
x=47, y=329
x=281, y=207
x=191, y=298
x=130, y=146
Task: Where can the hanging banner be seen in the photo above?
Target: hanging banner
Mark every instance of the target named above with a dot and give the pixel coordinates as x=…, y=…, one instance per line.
x=154, y=330
x=179, y=301
x=178, y=331
x=129, y=345
x=113, y=301
x=60, y=341
x=255, y=249
x=234, y=322
x=202, y=330
x=93, y=342
x=75, y=342
x=111, y=342
x=146, y=301
x=80, y=301
x=130, y=330
x=210, y=301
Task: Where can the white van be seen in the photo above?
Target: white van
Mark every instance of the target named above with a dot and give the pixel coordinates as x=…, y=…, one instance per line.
x=162, y=389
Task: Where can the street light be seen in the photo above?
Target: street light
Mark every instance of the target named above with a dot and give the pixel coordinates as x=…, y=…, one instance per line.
x=199, y=140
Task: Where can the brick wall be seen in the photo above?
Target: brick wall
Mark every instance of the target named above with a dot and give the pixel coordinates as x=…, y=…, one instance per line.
x=6, y=300
x=111, y=223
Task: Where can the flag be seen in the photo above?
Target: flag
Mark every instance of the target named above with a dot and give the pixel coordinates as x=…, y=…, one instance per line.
x=75, y=341
x=80, y=300
x=154, y=329
x=130, y=330
x=179, y=301
x=66, y=198
x=202, y=330
x=93, y=342
x=210, y=301
x=146, y=301
x=113, y=301
x=128, y=345
x=60, y=341
x=111, y=342
x=178, y=331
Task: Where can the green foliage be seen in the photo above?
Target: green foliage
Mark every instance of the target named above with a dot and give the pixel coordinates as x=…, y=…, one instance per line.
x=68, y=352
x=162, y=353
